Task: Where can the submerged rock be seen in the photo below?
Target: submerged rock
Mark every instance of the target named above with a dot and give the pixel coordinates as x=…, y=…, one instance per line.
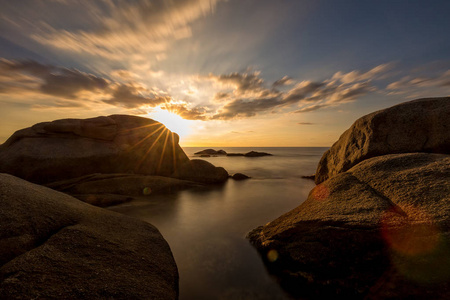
x=416, y=126
x=379, y=230
x=199, y=170
x=70, y=148
x=53, y=246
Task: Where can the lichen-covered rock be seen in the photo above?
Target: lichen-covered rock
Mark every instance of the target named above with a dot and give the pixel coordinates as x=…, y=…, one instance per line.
x=380, y=230
x=416, y=126
x=70, y=148
x=199, y=170
x=53, y=246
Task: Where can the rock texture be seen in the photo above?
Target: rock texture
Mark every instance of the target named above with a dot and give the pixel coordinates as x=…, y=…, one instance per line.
x=69, y=148
x=53, y=246
x=199, y=170
x=379, y=230
x=110, y=189
x=416, y=126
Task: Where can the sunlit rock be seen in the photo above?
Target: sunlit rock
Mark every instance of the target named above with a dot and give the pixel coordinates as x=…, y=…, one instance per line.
x=53, y=246
x=69, y=148
x=416, y=126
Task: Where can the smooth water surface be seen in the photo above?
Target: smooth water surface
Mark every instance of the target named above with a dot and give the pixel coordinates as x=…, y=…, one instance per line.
x=206, y=228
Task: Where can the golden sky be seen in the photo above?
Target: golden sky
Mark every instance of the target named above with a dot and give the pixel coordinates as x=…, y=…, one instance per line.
x=220, y=73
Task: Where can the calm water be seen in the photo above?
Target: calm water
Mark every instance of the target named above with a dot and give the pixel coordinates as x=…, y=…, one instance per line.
x=206, y=229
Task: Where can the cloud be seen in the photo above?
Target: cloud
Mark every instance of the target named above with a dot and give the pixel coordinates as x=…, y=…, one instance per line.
x=252, y=97
x=243, y=83
x=305, y=123
x=18, y=77
x=51, y=80
x=132, y=29
x=131, y=96
x=183, y=110
x=286, y=80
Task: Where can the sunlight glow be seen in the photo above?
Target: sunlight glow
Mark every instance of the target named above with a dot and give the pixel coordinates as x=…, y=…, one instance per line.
x=172, y=121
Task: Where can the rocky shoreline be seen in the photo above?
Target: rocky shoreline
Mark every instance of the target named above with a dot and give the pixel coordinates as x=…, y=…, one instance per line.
x=377, y=224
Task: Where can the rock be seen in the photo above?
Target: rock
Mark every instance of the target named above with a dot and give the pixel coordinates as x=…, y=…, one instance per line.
x=256, y=154
x=201, y=171
x=211, y=152
x=110, y=189
x=70, y=148
x=380, y=230
x=416, y=126
x=240, y=176
x=53, y=246
x=205, y=155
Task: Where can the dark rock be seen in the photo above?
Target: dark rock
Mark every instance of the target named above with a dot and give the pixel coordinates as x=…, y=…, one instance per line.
x=205, y=155
x=201, y=171
x=71, y=148
x=380, y=230
x=240, y=176
x=111, y=189
x=311, y=177
x=256, y=154
x=416, y=126
x=235, y=154
x=53, y=246
x=211, y=152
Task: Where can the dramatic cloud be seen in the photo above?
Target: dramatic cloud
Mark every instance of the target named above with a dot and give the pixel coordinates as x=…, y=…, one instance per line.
x=51, y=80
x=131, y=29
x=408, y=82
x=17, y=77
x=252, y=97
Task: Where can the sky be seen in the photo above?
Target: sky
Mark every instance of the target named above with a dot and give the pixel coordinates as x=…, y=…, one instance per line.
x=245, y=73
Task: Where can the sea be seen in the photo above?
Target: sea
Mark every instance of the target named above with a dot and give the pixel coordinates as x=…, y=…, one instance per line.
x=206, y=228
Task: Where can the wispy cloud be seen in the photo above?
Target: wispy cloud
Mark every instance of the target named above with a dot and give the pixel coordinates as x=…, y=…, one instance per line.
x=133, y=30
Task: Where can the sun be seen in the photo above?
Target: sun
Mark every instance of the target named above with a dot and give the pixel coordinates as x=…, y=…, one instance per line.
x=172, y=121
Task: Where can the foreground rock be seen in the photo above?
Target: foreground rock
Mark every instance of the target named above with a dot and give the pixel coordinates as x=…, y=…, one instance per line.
x=416, y=126
x=110, y=189
x=70, y=148
x=201, y=171
x=53, y=246
x=379, y=230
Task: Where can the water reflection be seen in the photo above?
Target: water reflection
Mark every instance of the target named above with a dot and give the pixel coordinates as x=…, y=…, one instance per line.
x=206, y=228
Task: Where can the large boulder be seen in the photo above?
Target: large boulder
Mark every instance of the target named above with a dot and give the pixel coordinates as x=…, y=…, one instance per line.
x=380, y=230
x=70, y=148
x=416, y=126
x=53, y=246
x=199, y=170
x=111, y=189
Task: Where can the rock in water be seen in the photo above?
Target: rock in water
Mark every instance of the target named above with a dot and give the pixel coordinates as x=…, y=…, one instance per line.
x=53, y=246
x=69, y=148
x=381, y=230
x=199, y=170
x=240, y=176
x=416, y=126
